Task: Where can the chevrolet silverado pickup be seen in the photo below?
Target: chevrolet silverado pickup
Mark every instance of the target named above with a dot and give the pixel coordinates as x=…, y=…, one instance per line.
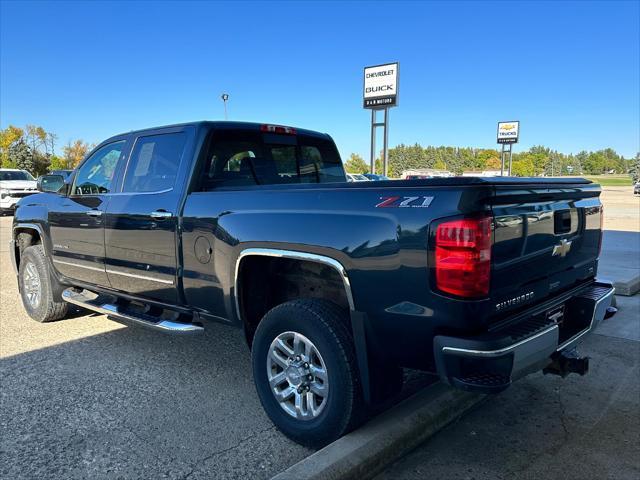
x=337, y=285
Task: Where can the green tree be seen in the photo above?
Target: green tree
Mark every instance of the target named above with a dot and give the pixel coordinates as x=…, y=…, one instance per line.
x=594, y=164
x=523, y=165
x=8, y=137
x=356, y=164
x=489, y=159
x=58, y=163
x=20, y=156
x=634, y=170
x=403, y=157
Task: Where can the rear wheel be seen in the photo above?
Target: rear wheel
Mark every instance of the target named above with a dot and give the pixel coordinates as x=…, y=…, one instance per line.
x=35, y=287
x=305, y=371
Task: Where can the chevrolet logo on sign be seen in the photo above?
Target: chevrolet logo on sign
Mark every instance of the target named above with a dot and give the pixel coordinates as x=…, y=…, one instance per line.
x=562, y=248
x=508, y=132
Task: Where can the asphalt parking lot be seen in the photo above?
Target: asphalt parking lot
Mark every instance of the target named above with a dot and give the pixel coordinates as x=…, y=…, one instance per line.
x=89, y=398
x=549, y=427
x=86, y=397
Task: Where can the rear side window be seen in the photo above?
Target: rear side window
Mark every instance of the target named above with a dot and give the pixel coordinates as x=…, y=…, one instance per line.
x=247, y=157
x=154, y=163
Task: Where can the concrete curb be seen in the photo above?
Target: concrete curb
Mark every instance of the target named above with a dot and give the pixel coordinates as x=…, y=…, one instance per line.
x=627, y=287
x=366, y=451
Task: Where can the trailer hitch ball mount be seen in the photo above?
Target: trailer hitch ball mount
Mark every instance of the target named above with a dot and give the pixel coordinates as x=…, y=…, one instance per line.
x=565, y=362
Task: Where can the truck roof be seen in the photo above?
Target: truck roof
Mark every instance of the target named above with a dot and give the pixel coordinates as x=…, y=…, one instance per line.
x=225, y=125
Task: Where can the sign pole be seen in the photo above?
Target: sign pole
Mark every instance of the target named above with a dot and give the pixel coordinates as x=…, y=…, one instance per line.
x=373, y=142
x=502, y=162
x=510, y=157
x=385, y=155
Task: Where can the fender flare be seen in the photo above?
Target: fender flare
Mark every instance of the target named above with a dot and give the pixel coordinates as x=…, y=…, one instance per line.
x=57, y=286
x=357, y=318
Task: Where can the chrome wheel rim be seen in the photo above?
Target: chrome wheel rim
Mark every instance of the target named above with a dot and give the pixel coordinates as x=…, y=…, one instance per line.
x=297, y=376
x=32, y=284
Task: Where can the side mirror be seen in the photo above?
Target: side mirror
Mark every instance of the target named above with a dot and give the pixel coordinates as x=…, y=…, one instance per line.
x=50, y=183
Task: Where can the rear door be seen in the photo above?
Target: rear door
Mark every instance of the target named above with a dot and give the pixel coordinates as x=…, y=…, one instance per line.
x=142, y=218
x=77, y=221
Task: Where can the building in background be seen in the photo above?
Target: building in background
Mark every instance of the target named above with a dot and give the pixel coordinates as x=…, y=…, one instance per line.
x=425, y=173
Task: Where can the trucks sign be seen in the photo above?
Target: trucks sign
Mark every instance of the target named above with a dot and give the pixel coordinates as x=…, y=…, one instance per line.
x=381, y=86
x=508, y=132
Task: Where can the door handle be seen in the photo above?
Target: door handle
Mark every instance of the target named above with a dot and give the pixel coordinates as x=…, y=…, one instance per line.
x=160, y=214
x=94, y=213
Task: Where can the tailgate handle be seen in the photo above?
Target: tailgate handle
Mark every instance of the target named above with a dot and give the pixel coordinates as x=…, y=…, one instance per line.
x=562, y=221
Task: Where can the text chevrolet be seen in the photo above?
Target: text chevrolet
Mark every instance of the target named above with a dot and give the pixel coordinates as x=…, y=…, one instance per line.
x=337, y=285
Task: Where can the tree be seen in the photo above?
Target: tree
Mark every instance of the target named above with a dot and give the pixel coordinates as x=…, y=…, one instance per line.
x=75, y=152
x=8, y=137
x=523, y=165
x=594, y=164
x=58, y=163
x=20, y=156
x=405, y=157
x=489, y=159
x=356, y=164
x=634, y=170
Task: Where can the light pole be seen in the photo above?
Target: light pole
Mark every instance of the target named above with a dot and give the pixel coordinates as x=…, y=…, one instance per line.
x=225, y=97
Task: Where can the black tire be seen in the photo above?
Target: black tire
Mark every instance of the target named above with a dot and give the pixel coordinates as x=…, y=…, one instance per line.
x=47, y=309
x=326, y=326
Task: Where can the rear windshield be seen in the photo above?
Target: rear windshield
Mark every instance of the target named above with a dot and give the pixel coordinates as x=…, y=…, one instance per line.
x=247, y=157
x=15, y=175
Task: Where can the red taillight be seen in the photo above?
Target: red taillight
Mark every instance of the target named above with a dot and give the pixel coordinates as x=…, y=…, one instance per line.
x=463, y=257
x=278, y=129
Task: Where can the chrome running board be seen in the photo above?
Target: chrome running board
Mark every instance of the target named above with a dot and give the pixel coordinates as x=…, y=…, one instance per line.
x=108, y=306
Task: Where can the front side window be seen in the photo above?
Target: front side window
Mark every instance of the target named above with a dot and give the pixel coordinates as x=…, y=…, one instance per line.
x=154, y=163
x=95, y=176
x=15, y=175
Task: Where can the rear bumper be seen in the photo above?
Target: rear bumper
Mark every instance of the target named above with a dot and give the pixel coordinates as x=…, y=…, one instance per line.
x=522, y=345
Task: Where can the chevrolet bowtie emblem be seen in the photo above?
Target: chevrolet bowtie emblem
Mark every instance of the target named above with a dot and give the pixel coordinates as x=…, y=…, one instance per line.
x=562, y=249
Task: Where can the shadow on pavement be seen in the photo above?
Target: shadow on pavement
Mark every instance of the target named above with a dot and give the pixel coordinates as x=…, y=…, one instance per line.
x=135, y=403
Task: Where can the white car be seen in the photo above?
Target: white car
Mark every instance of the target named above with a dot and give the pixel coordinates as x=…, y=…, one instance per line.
x=14, y=184
x=356, y=177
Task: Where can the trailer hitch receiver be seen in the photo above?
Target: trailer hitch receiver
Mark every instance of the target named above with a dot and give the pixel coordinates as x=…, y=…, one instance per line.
x=565, y=362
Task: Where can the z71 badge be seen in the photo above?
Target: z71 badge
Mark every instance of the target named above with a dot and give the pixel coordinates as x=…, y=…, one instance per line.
x=404, y=202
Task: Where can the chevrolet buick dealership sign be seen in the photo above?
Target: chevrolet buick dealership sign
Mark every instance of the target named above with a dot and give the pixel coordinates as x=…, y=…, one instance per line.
x=508, y=132
x=381, y=86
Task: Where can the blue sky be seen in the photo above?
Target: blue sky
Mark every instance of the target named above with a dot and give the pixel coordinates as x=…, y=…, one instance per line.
x=568, y=71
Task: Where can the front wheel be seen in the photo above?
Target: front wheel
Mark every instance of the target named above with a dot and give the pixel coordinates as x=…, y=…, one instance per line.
x=305, y=371
x=35, y=287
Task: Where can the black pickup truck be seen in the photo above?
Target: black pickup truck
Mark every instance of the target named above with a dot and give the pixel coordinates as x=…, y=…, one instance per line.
x=336, y=285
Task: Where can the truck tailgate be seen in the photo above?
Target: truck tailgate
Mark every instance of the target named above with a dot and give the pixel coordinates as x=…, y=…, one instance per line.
x=546, y=239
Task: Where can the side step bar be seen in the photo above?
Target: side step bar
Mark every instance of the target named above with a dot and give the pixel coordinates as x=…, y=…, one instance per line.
x=107, y=306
